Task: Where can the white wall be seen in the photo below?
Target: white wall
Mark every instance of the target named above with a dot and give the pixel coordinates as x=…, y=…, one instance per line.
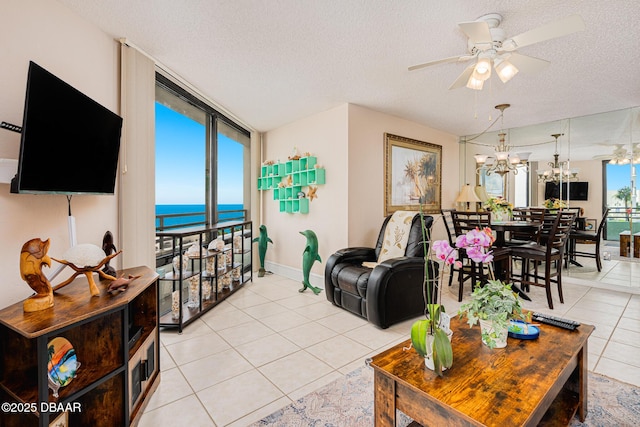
x=366, y=169
x=349, y=141
x=49, y=34
x=324, y=135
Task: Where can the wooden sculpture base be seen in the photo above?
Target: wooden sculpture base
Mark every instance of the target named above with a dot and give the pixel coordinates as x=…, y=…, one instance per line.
x=38, y=302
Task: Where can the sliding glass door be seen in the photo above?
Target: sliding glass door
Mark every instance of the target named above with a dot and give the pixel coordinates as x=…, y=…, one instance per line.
x=621, y=199
x=202, y=161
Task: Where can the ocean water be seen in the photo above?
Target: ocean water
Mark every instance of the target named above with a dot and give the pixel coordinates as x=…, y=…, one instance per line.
x=197, y=210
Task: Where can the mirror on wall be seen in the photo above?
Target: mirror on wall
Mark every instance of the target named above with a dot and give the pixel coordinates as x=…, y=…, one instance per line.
x=595, y=158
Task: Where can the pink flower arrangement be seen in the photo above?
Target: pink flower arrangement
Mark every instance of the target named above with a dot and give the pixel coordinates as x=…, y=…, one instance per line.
x=475, y=242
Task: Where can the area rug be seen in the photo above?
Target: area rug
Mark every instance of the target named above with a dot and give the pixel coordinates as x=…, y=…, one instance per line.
x=348, y=401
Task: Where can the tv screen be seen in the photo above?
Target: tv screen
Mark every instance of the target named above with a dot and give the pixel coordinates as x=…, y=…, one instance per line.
x=577, y=190
x=69, y=144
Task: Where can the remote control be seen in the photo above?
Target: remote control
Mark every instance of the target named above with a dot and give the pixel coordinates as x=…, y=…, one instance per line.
x=555, y=321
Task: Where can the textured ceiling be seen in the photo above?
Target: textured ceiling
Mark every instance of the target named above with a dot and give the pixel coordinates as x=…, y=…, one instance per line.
x=273, y=62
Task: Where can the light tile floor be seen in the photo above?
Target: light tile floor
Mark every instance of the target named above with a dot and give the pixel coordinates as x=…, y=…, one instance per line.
x=268, y=344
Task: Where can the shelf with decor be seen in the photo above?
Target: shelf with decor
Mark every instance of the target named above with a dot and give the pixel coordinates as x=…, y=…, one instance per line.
x=199, y=267
x=270, y=176
x=91, y=360
x=288, y=181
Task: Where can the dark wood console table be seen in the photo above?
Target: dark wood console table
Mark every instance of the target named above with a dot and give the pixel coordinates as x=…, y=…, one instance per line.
x=115, y=339
x=528, y=383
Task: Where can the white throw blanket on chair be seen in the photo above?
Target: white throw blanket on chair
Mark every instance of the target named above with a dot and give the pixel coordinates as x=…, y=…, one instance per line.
x=396, y=235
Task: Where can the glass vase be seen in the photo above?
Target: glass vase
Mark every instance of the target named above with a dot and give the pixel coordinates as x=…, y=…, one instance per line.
x=500, y=215
x=194, y=288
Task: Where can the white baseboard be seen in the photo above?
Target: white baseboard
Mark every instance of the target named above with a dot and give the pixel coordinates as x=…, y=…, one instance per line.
x=316, y=280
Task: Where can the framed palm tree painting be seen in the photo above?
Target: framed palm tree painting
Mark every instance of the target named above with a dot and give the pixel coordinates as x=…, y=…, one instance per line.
x=413, y=175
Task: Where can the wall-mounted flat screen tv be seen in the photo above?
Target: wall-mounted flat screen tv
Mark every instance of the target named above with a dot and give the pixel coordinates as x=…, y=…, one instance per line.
x=69, y=143
x=577, y=190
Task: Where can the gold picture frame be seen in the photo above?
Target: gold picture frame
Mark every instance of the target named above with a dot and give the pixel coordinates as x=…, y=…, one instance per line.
x=413, y=175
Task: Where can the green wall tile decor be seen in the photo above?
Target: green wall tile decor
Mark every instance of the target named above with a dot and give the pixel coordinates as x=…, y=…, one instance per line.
x=290, y=181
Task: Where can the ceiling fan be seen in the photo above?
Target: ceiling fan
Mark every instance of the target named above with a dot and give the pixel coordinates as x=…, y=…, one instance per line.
x=489, y=46
x=621, y=156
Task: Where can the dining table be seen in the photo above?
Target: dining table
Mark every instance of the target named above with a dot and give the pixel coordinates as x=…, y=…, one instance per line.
x=501, y=227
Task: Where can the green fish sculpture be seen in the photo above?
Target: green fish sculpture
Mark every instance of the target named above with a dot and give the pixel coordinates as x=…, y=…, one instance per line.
x=262, y=248
x=309, y=256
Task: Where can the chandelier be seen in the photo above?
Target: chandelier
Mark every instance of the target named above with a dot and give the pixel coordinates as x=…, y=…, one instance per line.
x=559, y=170
x=504, y=161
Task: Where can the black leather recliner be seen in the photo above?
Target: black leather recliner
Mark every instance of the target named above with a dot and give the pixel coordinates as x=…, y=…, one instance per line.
x=387, y=294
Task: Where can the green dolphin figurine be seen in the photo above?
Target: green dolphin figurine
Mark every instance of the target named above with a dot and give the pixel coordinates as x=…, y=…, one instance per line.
x=262, y=248
x=309, y=256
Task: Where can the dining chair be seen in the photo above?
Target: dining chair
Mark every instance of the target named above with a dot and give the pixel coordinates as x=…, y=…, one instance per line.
x=580, y=236
x=531, y=215
x=463, y=222
x=449, y=227
x=550, y=252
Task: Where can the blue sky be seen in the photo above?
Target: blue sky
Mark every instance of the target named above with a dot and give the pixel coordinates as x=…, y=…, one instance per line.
x=180, y=162
x=618, y=176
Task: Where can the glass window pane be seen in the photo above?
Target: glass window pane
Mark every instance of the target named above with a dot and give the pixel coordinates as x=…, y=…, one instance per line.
x=180, y=160
x=233, y=151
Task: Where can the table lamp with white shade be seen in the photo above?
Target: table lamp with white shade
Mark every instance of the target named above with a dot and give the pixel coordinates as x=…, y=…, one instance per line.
x=481, y=192
x=467, y=195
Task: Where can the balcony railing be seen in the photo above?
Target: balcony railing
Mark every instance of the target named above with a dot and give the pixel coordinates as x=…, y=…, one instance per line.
x=621, y=219
x=166, y=222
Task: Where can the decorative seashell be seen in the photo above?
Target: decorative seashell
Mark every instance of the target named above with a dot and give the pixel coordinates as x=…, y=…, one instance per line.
x=193, y=251
x=237, y=243
x=206, y=290
x=175, y=304
x=222, y=262
x=210, y=266
x=225, y=280
x=176, y=264
x=84, y=255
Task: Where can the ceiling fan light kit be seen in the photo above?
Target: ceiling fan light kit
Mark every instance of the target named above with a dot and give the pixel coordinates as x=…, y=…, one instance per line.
x=474, y=83
x=621, y=156
x=505, y=70
x=489, y=46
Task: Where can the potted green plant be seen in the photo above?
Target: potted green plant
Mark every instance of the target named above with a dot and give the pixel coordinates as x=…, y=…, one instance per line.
x=554, y=204
x=500, y=208
x=493, y=304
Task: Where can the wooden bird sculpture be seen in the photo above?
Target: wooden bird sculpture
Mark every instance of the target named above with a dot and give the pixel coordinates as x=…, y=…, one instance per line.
x=309, y=256
x=32, y=257
x=108, y=247
x=262, y=241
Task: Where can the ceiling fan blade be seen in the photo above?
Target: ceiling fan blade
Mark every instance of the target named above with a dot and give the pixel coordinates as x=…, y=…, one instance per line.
x=459, y=58
x=477, y=31
x=527, y=64
x=552, y=30
x=462, y=78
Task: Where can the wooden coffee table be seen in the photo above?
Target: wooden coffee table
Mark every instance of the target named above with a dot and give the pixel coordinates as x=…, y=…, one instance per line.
x=528, y=383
